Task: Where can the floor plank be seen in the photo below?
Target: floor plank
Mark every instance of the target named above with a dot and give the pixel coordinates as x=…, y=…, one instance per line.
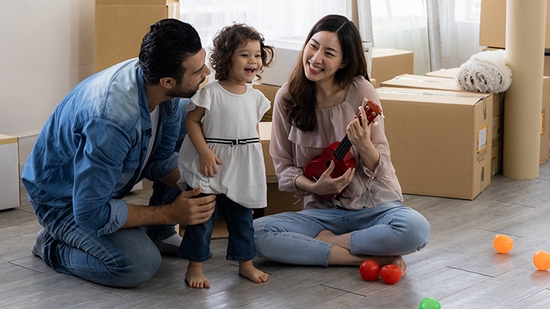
x=459, y=267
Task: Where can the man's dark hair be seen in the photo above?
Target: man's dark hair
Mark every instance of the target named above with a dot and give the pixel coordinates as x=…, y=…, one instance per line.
x=165, y=47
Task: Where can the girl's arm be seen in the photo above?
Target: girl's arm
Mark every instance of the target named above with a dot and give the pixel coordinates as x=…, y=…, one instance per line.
x=208, y=159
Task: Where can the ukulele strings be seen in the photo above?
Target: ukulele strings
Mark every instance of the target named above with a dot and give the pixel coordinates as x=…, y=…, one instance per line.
x=345, y=144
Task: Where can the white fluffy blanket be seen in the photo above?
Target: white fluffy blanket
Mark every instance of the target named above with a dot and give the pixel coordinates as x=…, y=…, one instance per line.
x=485, y=72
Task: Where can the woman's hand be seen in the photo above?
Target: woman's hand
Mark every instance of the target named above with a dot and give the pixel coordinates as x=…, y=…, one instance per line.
x=358, y=130
x=359, y=134
x=327, y=185
x=209, y=163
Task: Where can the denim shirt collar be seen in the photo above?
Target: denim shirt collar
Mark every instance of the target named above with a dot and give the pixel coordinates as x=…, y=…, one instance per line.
x=143, y=104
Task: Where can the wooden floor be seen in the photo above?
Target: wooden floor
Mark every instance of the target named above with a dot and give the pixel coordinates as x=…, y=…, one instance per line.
x=459, y=267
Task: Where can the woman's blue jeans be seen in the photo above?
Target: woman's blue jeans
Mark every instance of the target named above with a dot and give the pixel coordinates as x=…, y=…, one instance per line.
x=385, y=230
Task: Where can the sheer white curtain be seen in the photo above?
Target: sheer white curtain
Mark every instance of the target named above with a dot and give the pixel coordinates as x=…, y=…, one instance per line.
x=442, y=33
x=459, y=24
x=398, y=24
x=274, y=19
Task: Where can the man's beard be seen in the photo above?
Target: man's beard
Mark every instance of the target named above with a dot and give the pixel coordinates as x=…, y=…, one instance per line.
x=179, y=93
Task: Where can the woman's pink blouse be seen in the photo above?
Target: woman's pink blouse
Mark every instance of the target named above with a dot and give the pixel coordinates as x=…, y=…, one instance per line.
x=291, y=150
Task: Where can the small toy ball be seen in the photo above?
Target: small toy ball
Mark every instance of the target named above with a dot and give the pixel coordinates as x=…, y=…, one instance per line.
x=369, y=270
x=541, y=259
x=390, y=273
x=429, y=303
x=503, y=244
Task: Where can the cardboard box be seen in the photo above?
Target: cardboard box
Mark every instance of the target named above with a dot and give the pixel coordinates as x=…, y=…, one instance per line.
x=121, y=24
x=374, y=82
x=422, y=82
x=269, y=91
x=9, y=171
x=544, y=134
x=388, y=63
x=277, y=201
x=385, y=62
x=440, y=143
x=265, y=138
x=445, y=73
x=286, y=54
x=492, y=30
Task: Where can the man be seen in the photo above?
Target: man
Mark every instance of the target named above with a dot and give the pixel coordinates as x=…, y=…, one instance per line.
x=113, y=129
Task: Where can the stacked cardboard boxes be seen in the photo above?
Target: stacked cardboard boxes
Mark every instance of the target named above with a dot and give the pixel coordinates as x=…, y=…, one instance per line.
x=386, y=63
x=422, y=82
x=444, y=80
x=545, y=117
x=121, y=24
x=492, y=31
x=269, y=91
x=277, y=201
x=9, y=169
x=439, y=140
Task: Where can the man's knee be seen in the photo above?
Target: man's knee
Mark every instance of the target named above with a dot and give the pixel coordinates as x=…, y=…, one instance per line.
x=138, y=269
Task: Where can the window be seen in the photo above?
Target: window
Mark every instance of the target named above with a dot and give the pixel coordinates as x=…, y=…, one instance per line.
x=274, y=19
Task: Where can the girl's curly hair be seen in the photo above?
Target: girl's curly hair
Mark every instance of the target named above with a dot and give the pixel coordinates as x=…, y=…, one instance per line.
x=228, y=40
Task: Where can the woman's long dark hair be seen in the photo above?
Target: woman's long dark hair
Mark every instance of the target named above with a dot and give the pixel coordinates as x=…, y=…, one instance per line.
x=301, y=102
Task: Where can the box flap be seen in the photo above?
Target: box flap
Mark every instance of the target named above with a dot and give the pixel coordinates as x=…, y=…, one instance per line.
x=431, y=96
x=135, y=2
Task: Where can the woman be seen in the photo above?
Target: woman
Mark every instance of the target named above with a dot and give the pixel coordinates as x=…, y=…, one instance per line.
x=316, y=107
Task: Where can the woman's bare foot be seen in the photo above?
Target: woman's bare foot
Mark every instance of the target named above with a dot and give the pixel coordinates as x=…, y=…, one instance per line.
x=385, y=260
x=338, y=240
x=326, y=236
x=341, y=254
x=194, y=276
x=247, y=270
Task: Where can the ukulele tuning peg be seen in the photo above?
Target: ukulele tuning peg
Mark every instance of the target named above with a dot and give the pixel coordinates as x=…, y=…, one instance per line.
x=375, y=123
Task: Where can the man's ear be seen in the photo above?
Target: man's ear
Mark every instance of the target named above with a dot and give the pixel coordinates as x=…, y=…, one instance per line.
x=167, y=82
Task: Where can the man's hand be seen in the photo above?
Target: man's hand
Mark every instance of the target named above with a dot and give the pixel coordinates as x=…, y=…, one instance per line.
x=187, y=209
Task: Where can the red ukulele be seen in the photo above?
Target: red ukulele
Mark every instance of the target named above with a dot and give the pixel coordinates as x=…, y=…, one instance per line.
x=339, y=153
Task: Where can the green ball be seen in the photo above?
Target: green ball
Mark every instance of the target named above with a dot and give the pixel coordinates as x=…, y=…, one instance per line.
x=429, y=303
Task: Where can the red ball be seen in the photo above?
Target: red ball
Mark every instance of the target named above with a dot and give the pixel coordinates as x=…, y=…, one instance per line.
x=390, y=273
x=369, y=270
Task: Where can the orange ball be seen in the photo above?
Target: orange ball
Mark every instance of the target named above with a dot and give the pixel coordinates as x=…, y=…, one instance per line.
x=541, y=259
x=503, y=244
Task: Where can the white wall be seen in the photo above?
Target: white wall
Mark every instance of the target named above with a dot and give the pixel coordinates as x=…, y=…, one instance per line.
x=47, y=47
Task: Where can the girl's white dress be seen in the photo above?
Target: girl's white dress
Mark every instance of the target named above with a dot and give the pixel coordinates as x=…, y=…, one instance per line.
x=229, y=126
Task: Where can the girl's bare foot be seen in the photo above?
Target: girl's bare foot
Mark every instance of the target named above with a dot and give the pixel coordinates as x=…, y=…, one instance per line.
x=247, y=270
x=194, y=276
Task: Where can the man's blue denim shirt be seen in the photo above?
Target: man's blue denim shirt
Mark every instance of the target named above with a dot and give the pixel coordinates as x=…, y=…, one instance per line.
x=89, y=154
